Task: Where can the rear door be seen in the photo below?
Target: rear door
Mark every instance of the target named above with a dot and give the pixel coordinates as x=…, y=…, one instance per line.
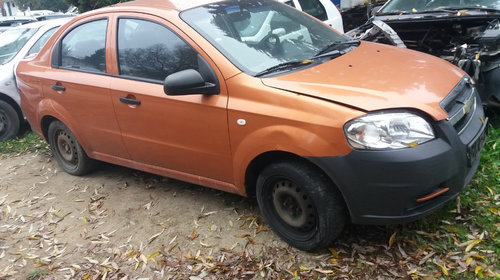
x=78, y=86
x=185, y=133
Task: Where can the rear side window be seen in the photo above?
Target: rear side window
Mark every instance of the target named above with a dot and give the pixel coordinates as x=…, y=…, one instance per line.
x=314, y=8
x=84, y=47
x=151, y=51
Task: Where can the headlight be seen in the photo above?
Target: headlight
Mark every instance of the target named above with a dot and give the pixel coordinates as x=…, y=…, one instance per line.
x=388, y=130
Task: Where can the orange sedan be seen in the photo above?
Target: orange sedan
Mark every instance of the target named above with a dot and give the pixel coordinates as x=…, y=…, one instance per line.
x=258, y=99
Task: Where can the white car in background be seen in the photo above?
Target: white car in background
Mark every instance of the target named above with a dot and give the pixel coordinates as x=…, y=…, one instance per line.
x=15, y=44
x=323, y=10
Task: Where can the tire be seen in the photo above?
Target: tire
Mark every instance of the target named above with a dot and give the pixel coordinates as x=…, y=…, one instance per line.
x=68, y=152
x=9, y=121
x=301, y=205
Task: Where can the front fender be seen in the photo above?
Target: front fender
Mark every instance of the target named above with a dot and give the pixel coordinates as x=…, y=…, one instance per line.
x=284, y=138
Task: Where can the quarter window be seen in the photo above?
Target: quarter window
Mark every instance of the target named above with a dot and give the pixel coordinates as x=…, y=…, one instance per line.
x=84, y=47
x=151, y=51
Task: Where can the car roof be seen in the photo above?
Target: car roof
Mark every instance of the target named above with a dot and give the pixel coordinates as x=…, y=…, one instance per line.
x=179, y=5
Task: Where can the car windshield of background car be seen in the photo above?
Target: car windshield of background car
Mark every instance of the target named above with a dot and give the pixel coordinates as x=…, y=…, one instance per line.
x=412, y=6
x=258, y=34
x=12, y=40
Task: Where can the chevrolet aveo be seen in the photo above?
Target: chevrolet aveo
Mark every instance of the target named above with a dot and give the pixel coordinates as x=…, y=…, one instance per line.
x=258, y=99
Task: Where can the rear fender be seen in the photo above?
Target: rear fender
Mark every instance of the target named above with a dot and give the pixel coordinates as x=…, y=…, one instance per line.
x=49, y=108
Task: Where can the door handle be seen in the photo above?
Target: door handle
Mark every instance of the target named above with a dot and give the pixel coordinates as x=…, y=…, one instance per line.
x=130, y=101
x=58, y=88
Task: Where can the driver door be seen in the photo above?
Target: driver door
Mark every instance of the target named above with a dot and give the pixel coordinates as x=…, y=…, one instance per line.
x=186, y=133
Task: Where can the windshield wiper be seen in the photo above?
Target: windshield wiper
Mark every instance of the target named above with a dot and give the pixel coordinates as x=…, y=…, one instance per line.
x=285, y=66
x=479, y=8
x=335, y=49
x=392, y=13
x=437, y=10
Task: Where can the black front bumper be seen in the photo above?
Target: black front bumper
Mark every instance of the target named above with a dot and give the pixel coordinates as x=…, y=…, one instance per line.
x=382, y=187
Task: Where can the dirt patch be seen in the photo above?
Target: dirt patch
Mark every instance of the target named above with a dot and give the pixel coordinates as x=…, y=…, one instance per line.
x=118, y=223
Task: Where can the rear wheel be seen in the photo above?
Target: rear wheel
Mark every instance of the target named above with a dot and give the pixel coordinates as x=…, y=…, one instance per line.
x=301, y=205
x=68, y=152
x=9, y=121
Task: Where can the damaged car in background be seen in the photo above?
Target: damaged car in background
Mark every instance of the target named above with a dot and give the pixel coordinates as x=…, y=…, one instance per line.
x=463, y=32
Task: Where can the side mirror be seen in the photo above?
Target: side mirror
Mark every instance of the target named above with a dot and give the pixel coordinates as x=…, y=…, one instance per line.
x=187, y=82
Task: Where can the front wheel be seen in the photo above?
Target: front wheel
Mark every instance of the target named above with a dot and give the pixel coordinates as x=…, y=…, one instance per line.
x=68, y=152
x=301, y=205
x=9, y=121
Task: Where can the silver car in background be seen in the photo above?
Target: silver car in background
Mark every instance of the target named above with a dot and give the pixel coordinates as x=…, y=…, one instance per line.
x=9, y=22
x=15, y=44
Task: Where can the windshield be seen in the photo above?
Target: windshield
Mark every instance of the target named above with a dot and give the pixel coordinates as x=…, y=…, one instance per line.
x=258, y=34
x=12, y=40
x=413, y=6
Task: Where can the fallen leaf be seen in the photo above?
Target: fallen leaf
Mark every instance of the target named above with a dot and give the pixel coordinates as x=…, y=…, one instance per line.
x=445, y=271
x=193, y=235
x=324, y=271
x=144, y=259
x=205, y=245
x=259, y=229
x=173, y=239
x=490, y=190
x=156, y=236
x=472, y=244
x=334, y=253
x=452, y=228
x=391, y=240
x=494, y=211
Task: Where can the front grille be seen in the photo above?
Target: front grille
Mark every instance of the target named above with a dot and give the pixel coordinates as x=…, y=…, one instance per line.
x=460, y=104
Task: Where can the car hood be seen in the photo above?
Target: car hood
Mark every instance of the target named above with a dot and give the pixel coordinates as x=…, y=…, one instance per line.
x=375, y=77
x=457, y=14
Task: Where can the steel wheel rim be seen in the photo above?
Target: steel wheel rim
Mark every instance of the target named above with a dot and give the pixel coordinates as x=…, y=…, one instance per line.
x=66, y=148
x=293, y=205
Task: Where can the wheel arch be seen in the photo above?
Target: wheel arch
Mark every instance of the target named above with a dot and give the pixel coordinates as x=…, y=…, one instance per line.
x=9, y=100
x=265, y=159
x=45, y=123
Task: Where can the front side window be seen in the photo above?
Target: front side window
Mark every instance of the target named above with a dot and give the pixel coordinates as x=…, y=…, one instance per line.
x=84, y=47
x=256, y=35
x=151, y=51
x=11, y=42
x=41, y=41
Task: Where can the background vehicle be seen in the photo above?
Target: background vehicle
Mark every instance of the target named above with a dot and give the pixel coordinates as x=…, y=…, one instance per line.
x=15, y=44
x=465, y=33
x=323, y=10
x=7, y=22
x=256, y=98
